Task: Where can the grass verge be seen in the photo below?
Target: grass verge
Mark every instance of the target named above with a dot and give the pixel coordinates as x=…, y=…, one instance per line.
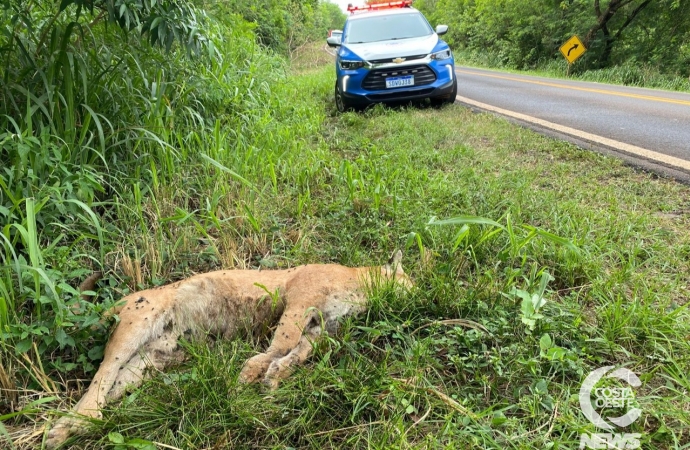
x=411, y=373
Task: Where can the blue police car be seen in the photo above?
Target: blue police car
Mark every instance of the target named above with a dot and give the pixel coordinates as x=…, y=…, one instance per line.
x=389, y=52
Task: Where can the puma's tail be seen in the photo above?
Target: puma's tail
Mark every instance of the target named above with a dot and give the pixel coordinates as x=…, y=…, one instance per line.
x=89, y=284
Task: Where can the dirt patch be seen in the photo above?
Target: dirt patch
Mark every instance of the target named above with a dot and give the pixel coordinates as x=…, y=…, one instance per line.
x=311, y=56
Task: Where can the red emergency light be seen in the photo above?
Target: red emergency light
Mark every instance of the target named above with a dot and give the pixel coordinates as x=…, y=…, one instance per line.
x=378, y=6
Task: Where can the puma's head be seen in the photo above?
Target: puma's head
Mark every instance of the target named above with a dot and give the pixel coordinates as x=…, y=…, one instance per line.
x=393, y=269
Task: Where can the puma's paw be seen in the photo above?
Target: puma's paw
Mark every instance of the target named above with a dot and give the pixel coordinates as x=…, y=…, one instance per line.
x=248, y=375
x=63, y=429
x=271, y=383
x=278, y=370
x=254, y=368
x=272, y=378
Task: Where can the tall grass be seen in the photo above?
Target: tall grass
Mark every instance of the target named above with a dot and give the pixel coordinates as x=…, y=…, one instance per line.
x=114, y=153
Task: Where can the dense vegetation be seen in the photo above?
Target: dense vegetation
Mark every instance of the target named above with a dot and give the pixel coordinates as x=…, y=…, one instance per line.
x=630, y=38
x=121, y=125
x=151, y=163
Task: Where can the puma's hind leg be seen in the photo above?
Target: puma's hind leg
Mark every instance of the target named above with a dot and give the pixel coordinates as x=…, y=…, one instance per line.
x=156, y=354
x=120, y=368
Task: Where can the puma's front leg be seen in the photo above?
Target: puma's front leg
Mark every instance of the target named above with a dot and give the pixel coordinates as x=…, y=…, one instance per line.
x=282, y=368
x=287, y=336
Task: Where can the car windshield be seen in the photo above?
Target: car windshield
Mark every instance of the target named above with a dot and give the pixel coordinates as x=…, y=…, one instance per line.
x=384, y=28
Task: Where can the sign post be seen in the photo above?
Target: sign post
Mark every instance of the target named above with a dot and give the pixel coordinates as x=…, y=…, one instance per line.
x=571, y=50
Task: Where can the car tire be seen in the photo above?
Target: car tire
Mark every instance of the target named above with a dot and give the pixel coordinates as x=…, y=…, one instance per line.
x=341, y=104
x=446, y=99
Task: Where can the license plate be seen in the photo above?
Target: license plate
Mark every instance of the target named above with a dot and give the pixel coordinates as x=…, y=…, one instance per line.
x=395, y=82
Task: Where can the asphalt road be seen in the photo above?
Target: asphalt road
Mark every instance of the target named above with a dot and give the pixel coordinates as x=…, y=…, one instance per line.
x=649, y=128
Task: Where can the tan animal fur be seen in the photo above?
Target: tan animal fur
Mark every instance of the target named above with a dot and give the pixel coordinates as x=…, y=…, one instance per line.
x=308, y=299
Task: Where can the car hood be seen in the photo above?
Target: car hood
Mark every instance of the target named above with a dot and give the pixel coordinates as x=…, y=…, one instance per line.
x=394, y=48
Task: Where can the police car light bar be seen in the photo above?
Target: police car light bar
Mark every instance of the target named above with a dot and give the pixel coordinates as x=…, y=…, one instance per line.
x=377, y=6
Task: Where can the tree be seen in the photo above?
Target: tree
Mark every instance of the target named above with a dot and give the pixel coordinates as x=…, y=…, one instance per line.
x=606, y=20
x=528, y=33
x=333, y=17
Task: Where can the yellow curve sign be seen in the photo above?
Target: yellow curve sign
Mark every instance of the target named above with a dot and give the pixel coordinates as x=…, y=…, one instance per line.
x=573, y=49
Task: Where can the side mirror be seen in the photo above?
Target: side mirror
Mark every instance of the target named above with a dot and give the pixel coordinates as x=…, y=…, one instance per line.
x=441, y=29
x=333, y=41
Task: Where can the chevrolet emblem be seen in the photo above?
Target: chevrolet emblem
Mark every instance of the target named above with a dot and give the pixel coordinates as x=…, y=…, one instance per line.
x=399, y=60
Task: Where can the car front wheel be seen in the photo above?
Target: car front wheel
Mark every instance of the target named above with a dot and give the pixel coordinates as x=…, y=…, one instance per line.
x=446, y=99
x=341, y=104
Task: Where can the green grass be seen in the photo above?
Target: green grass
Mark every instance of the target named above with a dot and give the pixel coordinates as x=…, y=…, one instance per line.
x=317, y=186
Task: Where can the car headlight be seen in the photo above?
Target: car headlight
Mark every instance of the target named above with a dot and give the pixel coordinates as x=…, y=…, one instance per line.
x=351, y=65
x=445, y=54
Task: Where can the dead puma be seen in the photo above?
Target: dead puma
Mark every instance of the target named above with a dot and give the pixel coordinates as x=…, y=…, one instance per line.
x=307, y=299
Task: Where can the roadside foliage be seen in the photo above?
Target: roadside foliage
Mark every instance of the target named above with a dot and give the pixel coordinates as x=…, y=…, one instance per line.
x=122, y=124
x=637, y=42
x=155, y=141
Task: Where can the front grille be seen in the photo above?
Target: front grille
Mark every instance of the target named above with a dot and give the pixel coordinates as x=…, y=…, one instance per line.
x=376, y=79
x=390, y=60
x=399, y=95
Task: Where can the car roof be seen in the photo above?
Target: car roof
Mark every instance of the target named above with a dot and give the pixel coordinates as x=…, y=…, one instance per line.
x=384, y=12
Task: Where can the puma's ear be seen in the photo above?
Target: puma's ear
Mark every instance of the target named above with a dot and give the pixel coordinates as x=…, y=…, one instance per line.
x=396, y=258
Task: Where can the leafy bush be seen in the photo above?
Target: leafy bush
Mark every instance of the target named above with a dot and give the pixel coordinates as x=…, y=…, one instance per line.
x=285, y=25
x=111, y=132
x=527, y=34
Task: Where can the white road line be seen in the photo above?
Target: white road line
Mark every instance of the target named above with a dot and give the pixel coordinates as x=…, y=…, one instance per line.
x=621, y=146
